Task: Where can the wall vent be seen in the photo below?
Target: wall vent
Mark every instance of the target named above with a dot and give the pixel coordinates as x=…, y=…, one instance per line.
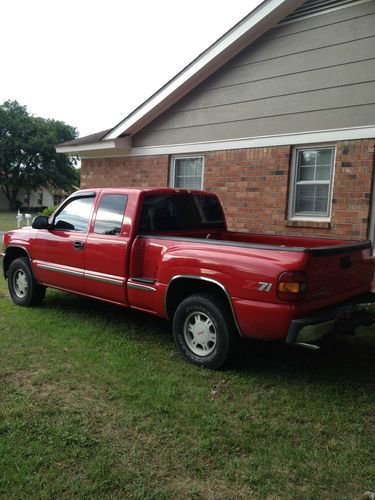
x=315, y=7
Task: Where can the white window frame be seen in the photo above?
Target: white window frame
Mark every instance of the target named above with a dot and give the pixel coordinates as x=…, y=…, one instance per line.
x=293, y=184
x=173, y=168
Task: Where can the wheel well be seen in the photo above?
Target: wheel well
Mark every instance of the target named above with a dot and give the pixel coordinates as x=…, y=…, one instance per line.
x=11, y=254
x=181, y=288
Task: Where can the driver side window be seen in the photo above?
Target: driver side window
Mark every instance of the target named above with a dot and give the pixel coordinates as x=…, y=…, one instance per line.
x=75, y=215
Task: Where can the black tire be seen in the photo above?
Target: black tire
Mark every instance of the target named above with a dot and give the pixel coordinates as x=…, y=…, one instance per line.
x=212, y=346
x=23, y=288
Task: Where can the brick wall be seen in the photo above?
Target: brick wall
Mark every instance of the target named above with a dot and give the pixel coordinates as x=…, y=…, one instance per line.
x=253, y=186
x=150, y=171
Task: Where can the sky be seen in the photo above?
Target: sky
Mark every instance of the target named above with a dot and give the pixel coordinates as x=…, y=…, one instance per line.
x=89, y=63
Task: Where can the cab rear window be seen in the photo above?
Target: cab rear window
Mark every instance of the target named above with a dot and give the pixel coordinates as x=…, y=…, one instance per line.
x=179, y=212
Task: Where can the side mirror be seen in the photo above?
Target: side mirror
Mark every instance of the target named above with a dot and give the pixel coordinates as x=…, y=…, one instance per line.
x=40, y=222
x=64, y=225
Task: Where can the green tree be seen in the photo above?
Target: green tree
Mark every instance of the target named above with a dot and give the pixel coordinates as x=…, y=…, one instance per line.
x=28, y=158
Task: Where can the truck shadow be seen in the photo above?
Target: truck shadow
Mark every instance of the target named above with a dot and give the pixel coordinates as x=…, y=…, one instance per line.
x=341, y=360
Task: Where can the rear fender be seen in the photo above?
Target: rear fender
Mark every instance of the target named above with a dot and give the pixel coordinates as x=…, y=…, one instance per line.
x=181, y=286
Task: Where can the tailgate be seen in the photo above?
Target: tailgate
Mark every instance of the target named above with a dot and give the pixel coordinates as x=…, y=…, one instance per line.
x=337, y=269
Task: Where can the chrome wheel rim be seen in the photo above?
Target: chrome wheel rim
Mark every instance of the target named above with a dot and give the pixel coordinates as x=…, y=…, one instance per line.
x=20, y=284
x=200, y=333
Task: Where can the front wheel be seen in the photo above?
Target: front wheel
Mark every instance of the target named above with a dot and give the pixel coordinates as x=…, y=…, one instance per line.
x=202, y=330
x=23, y=288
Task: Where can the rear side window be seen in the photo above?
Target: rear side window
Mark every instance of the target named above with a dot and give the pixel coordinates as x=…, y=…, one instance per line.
x=75, y=215
x=178, y=212
x=110, y=214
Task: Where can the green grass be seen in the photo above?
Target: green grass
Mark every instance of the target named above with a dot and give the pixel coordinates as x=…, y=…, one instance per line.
x=95, y=402
x=8, y=220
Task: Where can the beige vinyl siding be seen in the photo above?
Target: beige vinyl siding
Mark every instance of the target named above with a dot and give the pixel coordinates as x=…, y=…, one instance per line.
x=313, y=74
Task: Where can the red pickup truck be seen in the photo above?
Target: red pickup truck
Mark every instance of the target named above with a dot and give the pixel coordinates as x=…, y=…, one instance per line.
x=168, y=252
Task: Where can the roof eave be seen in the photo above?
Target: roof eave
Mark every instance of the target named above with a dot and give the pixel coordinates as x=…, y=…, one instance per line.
x=122, y=145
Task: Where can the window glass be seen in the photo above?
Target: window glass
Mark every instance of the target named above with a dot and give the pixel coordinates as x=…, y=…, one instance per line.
x=57, y=199
x=188, y=172
x=313, y=182
x=110, y=214
x=75, y=215
x=312, y=198
x=180, y=211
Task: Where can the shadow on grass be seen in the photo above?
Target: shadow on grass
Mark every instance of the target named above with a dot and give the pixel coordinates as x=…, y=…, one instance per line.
x=341, y=364
x=108, y=314
x=348, y=361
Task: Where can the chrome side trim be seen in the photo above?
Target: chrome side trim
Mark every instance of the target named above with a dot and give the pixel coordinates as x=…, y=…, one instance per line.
x=209, y=280
x=111, y=281
x=138, y=286
x=81, y=274
x=60, y=270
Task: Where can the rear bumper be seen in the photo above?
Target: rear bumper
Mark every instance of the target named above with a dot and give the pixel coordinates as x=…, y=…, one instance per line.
x=338, y=318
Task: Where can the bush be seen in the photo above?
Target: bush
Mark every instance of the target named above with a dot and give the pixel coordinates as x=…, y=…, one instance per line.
x=49, y=211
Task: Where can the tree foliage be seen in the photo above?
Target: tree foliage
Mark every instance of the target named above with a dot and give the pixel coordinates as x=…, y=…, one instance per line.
x=28, y=158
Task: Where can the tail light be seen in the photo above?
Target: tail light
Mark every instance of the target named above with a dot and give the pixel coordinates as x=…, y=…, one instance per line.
x=292, y=285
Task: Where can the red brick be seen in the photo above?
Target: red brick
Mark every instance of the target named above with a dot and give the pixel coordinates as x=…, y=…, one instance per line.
x=253, y=186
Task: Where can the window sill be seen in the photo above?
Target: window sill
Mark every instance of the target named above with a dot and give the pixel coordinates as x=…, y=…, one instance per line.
x=309, y=223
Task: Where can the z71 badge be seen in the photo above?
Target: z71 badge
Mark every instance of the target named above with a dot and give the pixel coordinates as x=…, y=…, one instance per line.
x=264, y=287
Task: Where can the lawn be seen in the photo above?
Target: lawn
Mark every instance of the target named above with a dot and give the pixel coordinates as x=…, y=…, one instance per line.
x=96, y=402
x=8, y=220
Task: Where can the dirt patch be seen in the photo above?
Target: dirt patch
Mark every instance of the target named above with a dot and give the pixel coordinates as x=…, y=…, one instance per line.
x=33, y=383
x=23, y=380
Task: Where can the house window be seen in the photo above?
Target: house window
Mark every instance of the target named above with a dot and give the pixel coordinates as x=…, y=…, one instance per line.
x=40, y=197
x=187, y=172
x=57, y=199
x=311, y=189
x=26, y=198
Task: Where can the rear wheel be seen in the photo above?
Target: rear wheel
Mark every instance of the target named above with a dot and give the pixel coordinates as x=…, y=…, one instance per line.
x=202, y=330
x=23, y=288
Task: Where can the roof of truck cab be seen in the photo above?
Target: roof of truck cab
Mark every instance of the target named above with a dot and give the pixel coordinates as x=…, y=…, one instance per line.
x=156, y=190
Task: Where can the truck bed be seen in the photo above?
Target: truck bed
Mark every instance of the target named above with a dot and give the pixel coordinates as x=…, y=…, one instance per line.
x=277, y=242
x=335, y=269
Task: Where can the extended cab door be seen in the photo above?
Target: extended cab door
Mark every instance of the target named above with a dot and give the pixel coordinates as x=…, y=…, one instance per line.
x=107, y=248
x=59, y=252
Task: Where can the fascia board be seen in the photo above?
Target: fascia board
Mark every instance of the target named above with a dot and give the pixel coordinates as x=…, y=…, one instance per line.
x=85, y=147
x=251, y=28
x=299, y=138
x=124, y=143
x=293, y=139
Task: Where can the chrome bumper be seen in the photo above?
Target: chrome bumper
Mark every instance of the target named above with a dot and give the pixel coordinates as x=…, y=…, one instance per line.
x=339, y=318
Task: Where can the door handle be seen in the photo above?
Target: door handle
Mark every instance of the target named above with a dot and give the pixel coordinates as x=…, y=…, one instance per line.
x=78, y=245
